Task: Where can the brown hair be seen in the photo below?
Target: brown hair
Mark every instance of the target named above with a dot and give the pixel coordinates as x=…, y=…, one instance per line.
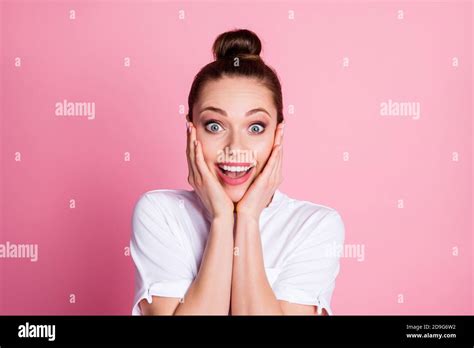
x=240, y=46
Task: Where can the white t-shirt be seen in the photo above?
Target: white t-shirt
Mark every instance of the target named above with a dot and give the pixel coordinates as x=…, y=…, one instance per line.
x=300, y=242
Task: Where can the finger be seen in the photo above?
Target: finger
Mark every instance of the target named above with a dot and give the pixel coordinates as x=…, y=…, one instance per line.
x=187, y=141
x=272, y=161
x=280, y=159
x=278, y=170
x=200, y=163
x=276, y=167
x=188, y=147
x=197, y=176
x=188, y=152
x=279, y=133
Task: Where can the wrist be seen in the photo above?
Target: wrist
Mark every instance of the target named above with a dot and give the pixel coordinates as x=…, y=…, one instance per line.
x=223, y=217
x=247, y=216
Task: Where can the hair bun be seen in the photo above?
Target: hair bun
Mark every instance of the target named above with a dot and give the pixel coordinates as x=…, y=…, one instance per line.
x=239, y=42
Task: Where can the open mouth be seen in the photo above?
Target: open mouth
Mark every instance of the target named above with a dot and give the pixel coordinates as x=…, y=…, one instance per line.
x=234, y=173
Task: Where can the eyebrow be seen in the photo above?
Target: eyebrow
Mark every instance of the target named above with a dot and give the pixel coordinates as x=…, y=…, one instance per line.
x=223, y=113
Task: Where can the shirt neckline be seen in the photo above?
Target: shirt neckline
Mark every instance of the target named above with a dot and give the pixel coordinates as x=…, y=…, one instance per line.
x=277, y=198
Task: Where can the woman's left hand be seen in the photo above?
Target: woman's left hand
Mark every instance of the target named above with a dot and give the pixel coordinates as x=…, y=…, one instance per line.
x=260, y=193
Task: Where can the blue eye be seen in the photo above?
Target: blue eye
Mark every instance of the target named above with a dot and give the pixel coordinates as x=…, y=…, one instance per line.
x=255, y=128
x=213, y=127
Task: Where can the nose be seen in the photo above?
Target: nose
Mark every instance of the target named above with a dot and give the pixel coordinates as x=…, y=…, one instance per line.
x=235, y=144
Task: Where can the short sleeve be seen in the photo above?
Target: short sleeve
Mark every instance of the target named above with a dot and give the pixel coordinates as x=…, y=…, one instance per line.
x=309, y=274
x=161, y=264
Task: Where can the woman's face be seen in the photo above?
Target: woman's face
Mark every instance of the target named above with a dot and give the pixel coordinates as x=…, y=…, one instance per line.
x=235, y=120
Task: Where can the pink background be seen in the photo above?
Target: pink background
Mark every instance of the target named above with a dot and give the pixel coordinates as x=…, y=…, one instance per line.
x=336, y=109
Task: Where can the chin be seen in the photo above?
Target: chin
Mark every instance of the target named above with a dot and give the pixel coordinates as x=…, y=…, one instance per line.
x=235, y=178
x=235, y=193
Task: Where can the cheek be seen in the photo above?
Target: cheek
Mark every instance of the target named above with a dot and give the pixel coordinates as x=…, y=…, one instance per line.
x=210, y=153
x=209, y=147
x=264, y=150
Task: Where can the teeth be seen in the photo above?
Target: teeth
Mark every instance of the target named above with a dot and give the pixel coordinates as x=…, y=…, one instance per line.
x=235, y=169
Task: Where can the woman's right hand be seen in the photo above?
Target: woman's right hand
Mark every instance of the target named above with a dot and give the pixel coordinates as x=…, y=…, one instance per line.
x=206, y=185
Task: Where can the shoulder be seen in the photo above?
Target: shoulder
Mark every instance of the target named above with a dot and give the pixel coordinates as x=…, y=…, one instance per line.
x=160, y=207
x=317, y=220
x=157, y=212
x=162, y=200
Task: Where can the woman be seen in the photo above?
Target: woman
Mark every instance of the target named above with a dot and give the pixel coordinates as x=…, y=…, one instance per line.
x=235, y=244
